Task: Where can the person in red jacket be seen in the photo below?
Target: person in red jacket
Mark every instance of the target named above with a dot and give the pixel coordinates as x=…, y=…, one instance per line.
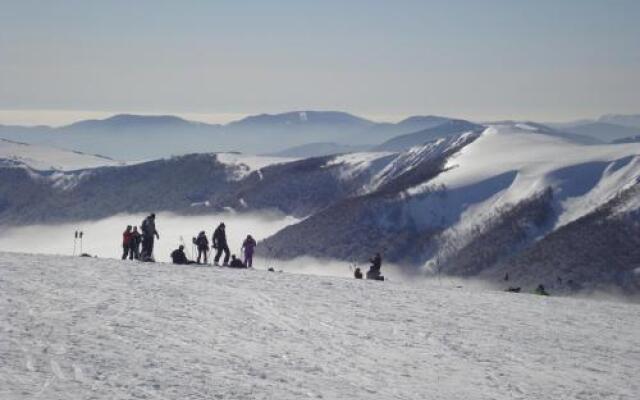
x=127, y=235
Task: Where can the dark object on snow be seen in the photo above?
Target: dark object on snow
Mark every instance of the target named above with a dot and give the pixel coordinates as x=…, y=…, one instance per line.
x=514, y=289
x=219, y=240
x=357, y=273
x=375, y=277
x=149, y=234
x=202, y=243
x=236, y=263
x=271, y=269
x=374, y=269
x=178, y=256
x=87, y=255
x=541, y=290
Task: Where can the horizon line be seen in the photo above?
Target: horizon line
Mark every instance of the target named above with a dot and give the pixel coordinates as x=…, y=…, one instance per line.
x=62, y=117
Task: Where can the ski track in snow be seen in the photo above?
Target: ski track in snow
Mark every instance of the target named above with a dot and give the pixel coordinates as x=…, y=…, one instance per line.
x=74, y=328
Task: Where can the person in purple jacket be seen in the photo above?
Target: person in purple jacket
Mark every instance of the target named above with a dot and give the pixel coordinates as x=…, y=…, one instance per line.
x=248, y=246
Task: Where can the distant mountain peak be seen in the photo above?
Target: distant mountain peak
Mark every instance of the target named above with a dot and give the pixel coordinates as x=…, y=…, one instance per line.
x=303, y=117
x=422, y=119
x=128, y=120
x=629, y=120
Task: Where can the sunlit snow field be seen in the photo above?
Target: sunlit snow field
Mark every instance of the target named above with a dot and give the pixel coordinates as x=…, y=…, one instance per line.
x=78, y=328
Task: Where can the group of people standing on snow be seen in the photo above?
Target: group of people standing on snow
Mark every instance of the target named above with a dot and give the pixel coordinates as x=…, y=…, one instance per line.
x=132, y=240
x=220, y=244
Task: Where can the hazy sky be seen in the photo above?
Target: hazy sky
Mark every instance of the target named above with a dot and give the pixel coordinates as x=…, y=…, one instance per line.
x=480, y=59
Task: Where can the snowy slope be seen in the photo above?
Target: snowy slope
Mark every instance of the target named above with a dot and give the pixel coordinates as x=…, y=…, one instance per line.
x=244, y=164
x=508, y=164
x=467, y=205
x=77, y=328
x=353, y=164
x=45, y=158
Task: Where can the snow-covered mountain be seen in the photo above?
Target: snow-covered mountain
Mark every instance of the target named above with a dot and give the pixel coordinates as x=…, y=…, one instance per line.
x=473, y=203
x=476, y=206
x=188, y=184
x=444, y=130
x=78, y=328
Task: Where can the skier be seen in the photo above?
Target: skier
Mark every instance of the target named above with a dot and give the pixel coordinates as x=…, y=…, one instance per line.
x=248, y=246
x=126, y=242
x=236, y=263
x=374, y=269
x=357, y=273
x=219, y=240
x=541, y=290
x=149, y=232
x=178, y=256
x=134, y=244
x=203, y=246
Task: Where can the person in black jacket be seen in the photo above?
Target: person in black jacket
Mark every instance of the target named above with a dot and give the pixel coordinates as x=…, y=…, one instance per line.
x=236, y=263
x=178, y=256
x=203, y=246
x=149, y=234
x=134, y=245
x=220, y=244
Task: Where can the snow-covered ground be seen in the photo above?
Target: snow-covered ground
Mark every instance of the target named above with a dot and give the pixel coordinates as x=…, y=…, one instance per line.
x=46, y=158
x=77, y=328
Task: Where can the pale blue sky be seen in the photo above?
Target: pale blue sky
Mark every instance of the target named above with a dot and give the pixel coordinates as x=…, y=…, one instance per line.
x=544, y=60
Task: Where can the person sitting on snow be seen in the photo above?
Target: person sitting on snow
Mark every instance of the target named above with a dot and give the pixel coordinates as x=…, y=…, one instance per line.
x=178, y=256
x=236, y=263
x=357, y=273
